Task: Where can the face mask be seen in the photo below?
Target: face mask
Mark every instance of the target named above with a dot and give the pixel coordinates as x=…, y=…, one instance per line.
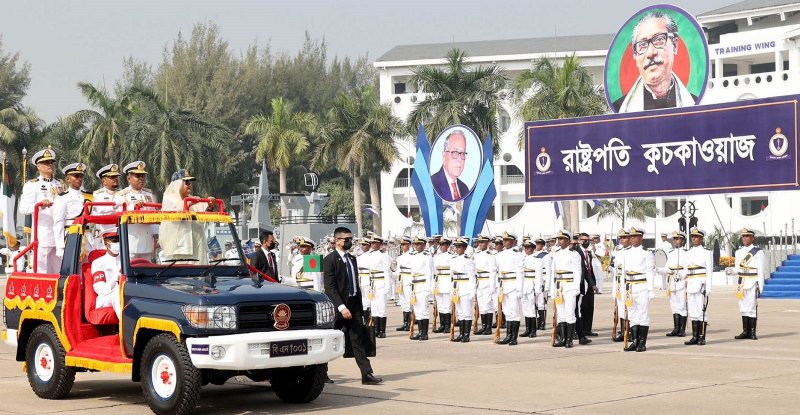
x=585, y=244
x=272, y=245
x=347, y=245
x=113, y=248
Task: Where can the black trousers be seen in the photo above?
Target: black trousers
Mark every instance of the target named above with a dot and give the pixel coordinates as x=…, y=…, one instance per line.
x=354, y=329
x=578, y=317
x=587, y=310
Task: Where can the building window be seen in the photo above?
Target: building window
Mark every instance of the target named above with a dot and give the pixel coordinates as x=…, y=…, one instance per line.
x=399, y=87
x=589, y=209
x=511, y=174
x=754, y=205
x=503, y=121
x=402, y=179
x=670, y=207
x=512, y=210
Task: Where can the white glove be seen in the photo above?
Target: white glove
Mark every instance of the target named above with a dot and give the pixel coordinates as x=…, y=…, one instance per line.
x=652, y=294
x=60, y=253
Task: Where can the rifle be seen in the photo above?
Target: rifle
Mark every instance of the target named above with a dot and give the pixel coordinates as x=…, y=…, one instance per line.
x=555, y=323
x=411, y=326
x=499, y=314
x=477, y=316
x=616, y=318
x=705, y=307
x=627, y=324
x=453, y=320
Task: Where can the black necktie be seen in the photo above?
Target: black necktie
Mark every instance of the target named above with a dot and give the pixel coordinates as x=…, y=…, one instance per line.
x=350, y=279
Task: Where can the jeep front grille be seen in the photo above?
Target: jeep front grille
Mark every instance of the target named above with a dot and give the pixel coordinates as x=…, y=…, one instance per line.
x=259, y=315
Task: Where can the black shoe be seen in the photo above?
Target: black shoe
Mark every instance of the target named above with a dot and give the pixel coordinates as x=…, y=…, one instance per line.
x=591, y=334
x=528, y=327
x=509, y=334
x=461, y=332
x=681, y=326
x=745, y=329
x=370, y=380
x=640, y=347
x=440, y=329
x=753, y=321
x=569, y=335
x=406, y=318
x=560, y=329
x=620, y=337
x=467, y=325
x=635, y=342
x=584, y=341
x=695, y=330
x=327, y=379
x=419, y=331
x=676, y=325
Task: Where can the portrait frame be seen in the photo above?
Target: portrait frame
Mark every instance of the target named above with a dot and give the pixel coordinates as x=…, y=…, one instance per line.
x=472, y=162
x=691, y=63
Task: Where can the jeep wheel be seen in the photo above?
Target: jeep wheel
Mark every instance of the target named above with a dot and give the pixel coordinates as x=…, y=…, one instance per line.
x=170, y=382
x=48, y=374
x=299, y=384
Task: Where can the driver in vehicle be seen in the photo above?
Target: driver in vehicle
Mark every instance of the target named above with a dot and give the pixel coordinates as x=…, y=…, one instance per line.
x=106, y=271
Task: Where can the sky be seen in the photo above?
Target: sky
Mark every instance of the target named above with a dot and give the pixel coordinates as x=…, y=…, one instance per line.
x=67, y=42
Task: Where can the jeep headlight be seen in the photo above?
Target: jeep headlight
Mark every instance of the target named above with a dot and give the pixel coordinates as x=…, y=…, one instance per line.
x=210, y=317
x=325, y=313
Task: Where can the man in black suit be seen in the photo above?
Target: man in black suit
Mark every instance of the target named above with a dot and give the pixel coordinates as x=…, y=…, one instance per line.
x=340, y=274
x=446, y=181
x=588, y=289
x=263, y=258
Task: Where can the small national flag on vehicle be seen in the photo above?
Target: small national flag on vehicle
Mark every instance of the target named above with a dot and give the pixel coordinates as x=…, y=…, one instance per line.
x=312, y=263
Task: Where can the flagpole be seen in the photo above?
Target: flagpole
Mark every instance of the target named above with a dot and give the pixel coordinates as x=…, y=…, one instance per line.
x=26, y=231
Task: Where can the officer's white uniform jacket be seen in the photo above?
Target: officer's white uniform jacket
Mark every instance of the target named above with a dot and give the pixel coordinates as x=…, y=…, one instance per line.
x=619, y=280
x=462, y=272
x=676, y=268
x=103, y=195
x=365, y=261
x=233, y=255
x=547, y=269
x=380, y=270
x=310, y=280
x=699, y=261
x=486, y=271
x=510, y=270
x=421, y=265
x=566, y=265
x=639, y=269
x=35, y=191
x=403, y=271
x=441, y=269
x=533, y=265
x=66, y=207
x=105, y=277
x=753, y=271
x=140, y=237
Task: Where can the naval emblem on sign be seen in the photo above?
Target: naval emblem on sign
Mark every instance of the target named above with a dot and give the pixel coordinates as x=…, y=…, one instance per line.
x=543, y=161
x=778, y=144
x=281, y=315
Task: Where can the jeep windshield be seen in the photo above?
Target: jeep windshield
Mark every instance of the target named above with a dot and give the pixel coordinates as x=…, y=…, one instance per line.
x=169, y=244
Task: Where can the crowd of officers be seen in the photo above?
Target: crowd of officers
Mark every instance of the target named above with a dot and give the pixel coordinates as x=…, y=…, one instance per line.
x=486, y=284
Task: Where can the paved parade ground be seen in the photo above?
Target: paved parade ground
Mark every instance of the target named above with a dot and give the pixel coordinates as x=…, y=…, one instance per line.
x=438, y=377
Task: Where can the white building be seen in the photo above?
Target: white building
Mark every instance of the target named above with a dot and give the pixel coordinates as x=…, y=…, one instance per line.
x=754, y=53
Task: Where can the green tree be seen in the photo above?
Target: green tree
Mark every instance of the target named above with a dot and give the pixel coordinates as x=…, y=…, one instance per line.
x=101, y=128
x=457, y=95
x=357, y=138
x=283, y=138
x=14, y=79
x=624, y=209
x=552, y=91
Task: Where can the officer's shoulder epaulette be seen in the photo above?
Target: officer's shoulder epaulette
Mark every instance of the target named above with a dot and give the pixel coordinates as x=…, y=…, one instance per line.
x=88, y=196
x=144, y=189
x=62, y=193
x=467, y=256
x=34, y=180
x=426, y=253
x=124, y=191
x=63, y=183
x=515, y=249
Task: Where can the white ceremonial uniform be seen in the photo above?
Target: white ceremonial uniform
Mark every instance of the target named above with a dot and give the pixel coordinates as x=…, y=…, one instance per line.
x=639, y=269
x=66, y=207
x=462, y=273
x=364, y=264
x=306, y=280
x=676, y=280
x=532, y=290
x=599, y=252
x=442, y=282
x=750, y=277
x=403, y=275
x=565, y=278
x=102, y=195
x=512, y=280
x=33, y=192
x=140, y=237
x=543, y=285
x=618, y=287
x=421, y=284
x=665, y=246
x=700, y=265
x=380, y=271
x=233, y=255
x=10, y=254
x=486, y=275
x=105, y=277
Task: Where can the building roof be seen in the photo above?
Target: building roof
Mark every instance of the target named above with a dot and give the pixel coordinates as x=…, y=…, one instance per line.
x=748, y=5
x=499, y=47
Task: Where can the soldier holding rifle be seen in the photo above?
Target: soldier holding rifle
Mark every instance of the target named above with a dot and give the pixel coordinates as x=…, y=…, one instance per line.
x=639, y=269
x=485, y=268
x=442, y=283
x=564, y=289
x=462, y=273
x=421, y=265
x=676, y=284
x=699, y=266
x=512, y=279
x=750, y=273
x=618, y=288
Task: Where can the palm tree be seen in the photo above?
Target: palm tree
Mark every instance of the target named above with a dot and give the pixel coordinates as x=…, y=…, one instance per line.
x=102, y=130
x=10, y=120
x=283, y=138
x=171, y=138
x=458, y=95
x=552, y=91
x=622, y=209
x=358, y=138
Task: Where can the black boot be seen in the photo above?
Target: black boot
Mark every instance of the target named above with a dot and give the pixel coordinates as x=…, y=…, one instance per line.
x=620, y=333
x=406, y=318
x=682, y=323
x=528, y=327
x=383, y=327
x=440, y=329
x=509, y=333
x=503, y=323
x=634, y=339
x=489, y=326
x=676, y=322
x=419, y=331
x=380, y=327
x=745, y=329
x=461, y=331
x=695, y=331
x=467, y=324
x=701, y=338
x=424, y=334
x=494, y=321
x=642, y=338
x=534, y=326
x=560, y=329
x=542, y=316
x=753, y=328
x=568, y=335
x=514, y=325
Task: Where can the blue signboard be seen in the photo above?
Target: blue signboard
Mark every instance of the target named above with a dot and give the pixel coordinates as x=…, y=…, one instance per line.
x=744, y=146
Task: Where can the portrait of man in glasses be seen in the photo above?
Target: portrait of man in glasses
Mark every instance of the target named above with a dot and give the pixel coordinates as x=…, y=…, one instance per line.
x=654, y=43
x=446, y=181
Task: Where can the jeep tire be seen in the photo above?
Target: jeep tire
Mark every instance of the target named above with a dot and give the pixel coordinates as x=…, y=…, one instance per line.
x=45, y=362
x=170, y=382
x=298, y=384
